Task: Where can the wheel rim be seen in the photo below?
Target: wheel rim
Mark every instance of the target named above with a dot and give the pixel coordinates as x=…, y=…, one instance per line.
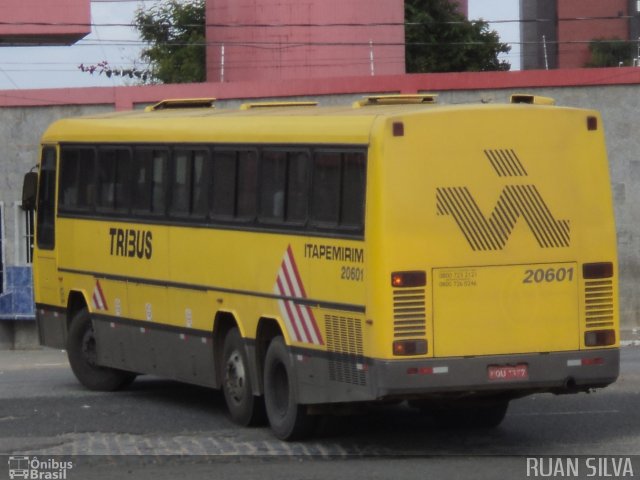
x=89, y=347
x=280, y=389
x=235, y=379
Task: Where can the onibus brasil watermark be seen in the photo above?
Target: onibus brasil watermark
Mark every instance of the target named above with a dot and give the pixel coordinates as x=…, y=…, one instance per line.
x=34, y=468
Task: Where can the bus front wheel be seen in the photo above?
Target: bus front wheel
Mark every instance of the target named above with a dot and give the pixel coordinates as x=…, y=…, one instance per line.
x=288, y=419
x=83, y=358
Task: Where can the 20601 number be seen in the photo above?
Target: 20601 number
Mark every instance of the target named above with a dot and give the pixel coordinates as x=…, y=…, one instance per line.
x=548, y=275
x=355, y=274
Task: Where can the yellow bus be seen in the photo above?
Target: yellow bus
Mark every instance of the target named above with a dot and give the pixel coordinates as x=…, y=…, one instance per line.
x=310, y=259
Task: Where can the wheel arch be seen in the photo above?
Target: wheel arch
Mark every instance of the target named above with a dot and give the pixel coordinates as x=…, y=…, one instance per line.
x=268, y=329
x=222, y=323
x=76, y=301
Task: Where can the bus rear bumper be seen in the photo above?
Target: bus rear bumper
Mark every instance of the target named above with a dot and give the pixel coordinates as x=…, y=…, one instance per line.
x=558, y=372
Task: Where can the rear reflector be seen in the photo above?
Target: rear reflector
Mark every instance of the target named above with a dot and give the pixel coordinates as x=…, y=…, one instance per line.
x=403, y=348
x=592, y=271
x=427, y=370
x=408, y=279
x=600, y=338
x=585, y=362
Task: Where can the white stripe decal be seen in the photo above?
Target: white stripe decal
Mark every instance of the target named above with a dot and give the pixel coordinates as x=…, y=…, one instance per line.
x=99, y=302
x=299, y=319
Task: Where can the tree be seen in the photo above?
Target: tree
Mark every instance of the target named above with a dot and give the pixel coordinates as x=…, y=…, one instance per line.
x=611, y=53
x=176, y=53
x=439, y=39
x=175, y=32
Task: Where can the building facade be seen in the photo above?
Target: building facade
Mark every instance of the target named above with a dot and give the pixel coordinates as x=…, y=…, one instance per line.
x=556, y=33
x=52, y=22
x=274, y=39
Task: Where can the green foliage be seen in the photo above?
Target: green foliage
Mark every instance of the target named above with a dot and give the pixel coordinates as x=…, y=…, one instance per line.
x=439, y=39
x=175, y=32
x=611, y=53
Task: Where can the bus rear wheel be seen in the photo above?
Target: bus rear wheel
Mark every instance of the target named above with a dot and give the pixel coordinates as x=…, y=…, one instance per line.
x=83, y=358
x=244, y=408
x=288, y=419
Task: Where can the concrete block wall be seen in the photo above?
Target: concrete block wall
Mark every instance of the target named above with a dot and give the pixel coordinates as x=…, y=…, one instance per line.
x=613, y=92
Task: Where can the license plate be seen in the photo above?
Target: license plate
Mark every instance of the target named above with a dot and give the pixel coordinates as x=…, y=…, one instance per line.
x=508, y=372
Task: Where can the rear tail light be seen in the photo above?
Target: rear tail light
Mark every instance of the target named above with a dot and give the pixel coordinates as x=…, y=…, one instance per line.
x=403, y=348
x=588, y=362
x=591, y=271
x=600, y=338
x=408, y=279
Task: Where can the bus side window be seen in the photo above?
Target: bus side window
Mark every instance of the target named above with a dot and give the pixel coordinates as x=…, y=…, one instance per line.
x=247, y=185
x=68, y=189
x=180, y=183
x=141, y=173
x=284, y=186
x=46, y=238
x=338, y=190
x=77, y=169
x=199, y=189
x=223, y=184
x=353, y=190
x=325, y=190
x=158, y=182
x=297, y=187
x=113, y=175
x=272, y=186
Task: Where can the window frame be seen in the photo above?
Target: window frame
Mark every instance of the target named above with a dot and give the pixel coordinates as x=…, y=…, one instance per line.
x=253, y=221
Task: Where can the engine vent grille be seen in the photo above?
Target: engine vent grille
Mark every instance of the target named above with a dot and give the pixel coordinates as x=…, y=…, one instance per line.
x=598, y=303
x=409, y=315
x=344, y=342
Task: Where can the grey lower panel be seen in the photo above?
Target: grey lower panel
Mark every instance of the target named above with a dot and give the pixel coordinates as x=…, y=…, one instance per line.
x=546, y=372
x=52, y=328
x=187, y=357
x=326, y=378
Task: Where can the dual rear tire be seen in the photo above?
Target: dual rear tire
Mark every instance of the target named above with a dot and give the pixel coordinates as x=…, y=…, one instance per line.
x=288, y=419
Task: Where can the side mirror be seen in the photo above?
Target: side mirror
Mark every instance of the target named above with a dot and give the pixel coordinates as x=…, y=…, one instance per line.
x=29, y=191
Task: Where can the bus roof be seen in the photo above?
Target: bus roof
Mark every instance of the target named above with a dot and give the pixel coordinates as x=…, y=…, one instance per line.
x=252, y=123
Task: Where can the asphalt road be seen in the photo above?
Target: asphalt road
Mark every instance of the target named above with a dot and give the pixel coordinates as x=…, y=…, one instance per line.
x=161, y=429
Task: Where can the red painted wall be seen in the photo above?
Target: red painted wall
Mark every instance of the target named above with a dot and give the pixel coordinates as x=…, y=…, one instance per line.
x=34, y=21
x=576, y=55
x=126, y=98
x=463, y=7
x=276, y=39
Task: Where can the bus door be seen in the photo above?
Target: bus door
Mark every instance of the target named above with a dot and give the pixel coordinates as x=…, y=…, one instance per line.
x=46, y=259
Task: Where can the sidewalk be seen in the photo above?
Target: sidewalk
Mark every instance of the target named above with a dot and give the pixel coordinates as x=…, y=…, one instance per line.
x=12, y=360
x=630, y=337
